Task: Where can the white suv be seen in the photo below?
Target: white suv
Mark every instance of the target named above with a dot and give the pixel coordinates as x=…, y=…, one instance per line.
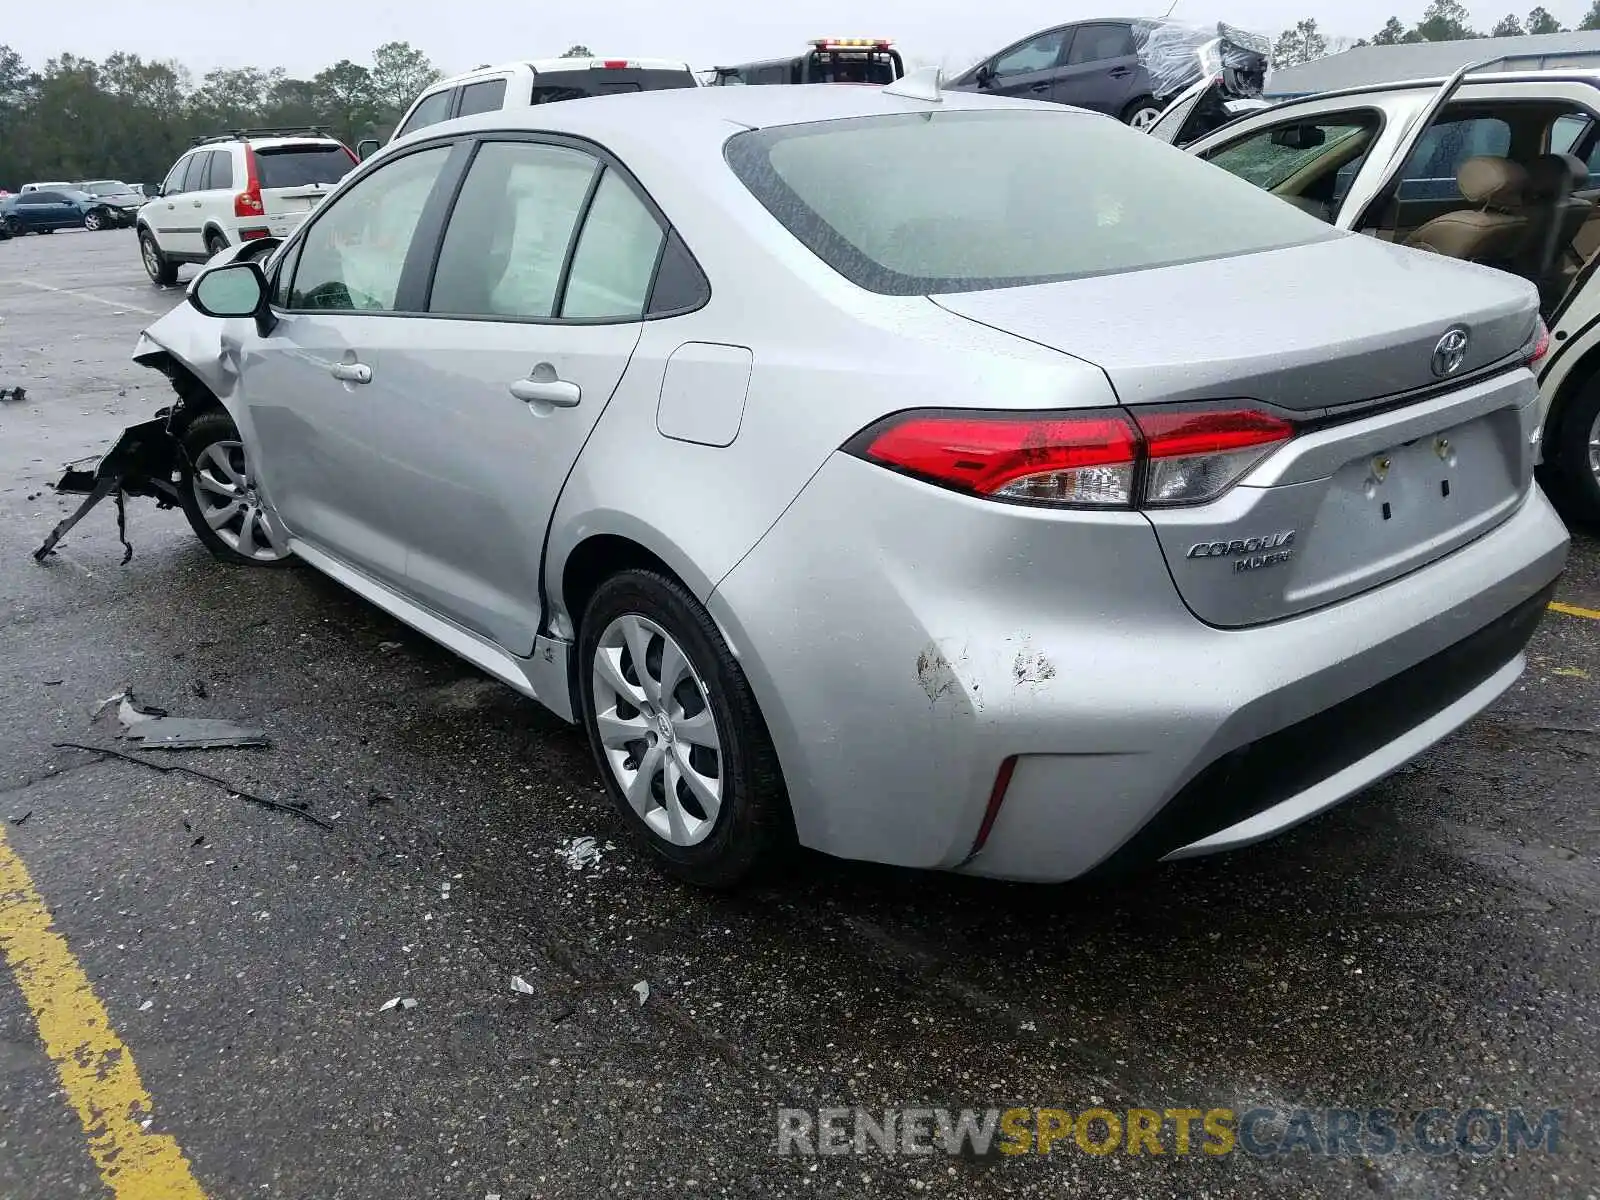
x=541, y=81
x=236, y=188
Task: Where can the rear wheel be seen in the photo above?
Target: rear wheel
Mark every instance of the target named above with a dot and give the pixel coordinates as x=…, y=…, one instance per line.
x=677, y=735
x=1574, y=457
x=220, y=497
x=1142, y=113
x=215, y=244
x=162, y=273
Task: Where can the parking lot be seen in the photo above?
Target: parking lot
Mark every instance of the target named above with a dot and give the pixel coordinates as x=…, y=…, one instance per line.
x=1434, y=943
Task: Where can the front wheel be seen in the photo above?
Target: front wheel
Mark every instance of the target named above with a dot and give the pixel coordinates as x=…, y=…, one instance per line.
x=93, y=221
x=220, y=497
x=1573, y=456
x=1142, y=113
x=679, y=740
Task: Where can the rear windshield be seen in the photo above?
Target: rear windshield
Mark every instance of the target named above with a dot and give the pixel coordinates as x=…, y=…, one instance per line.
x=915, y=204
x=851, y=66
x=302, y=165
x=551, y=87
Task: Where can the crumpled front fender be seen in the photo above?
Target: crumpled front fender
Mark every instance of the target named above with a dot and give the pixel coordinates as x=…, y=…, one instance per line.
x=204, y=346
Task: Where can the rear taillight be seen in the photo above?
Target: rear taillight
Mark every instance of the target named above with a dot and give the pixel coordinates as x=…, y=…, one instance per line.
x=248, y=202
x=1101, y=458
x=1540, y=345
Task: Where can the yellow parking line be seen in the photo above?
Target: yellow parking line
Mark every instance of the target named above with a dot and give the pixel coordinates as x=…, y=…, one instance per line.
x=1574, y=611
x=95, y=1068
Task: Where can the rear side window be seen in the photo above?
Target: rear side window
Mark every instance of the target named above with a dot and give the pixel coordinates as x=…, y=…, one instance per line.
x=880, y=200
x=302, y=164
x=507, y=240
x=488, y=96
x=220, y=176
x=430, y=111
x=1097, y=43
x=1430, y=173
x=616, y=256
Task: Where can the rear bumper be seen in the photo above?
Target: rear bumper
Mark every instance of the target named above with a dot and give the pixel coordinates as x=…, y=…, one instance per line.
x=903, y=645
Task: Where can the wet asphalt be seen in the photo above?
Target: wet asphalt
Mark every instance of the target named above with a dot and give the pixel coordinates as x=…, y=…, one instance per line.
x=1430, y=943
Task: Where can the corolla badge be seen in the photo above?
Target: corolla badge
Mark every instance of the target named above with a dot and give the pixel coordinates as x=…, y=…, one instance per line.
x=1450, y=355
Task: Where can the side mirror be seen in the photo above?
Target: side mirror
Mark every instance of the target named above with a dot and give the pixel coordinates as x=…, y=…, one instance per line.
x=238, y=289
x=366, y=148
x=1300, y=137
x=985, y=76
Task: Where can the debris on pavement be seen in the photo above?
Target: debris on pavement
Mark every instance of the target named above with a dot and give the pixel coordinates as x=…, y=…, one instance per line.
x=297, y=810
x=388, y=647
x=156, y=729
x=17, y=393
x=519, y=984
x=22, y=818
x=641, y=990
x=579, y=853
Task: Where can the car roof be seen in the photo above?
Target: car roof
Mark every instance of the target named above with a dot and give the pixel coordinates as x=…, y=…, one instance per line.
x=1554, y=75
x=715, y=112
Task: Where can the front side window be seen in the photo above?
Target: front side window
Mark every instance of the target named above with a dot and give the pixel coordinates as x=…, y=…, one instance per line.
x=430, y=111
x=506, y=243
x=1096, y=43
x=1039, y=54
x=1302, y=150
x=877, y=200
x=487, y=96
x=351, y=258
x=174, y=181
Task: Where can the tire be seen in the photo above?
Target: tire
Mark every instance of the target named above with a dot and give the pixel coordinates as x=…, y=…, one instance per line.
x=162, y=273
x=1572, y=463
x=1142, y=113
x=214, y=460
x=215, y=244
x=94, y=220
x=14, y=227
x=751, y=826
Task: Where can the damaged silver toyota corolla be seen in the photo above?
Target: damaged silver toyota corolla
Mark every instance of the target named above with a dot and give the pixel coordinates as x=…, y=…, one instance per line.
x=874, y=469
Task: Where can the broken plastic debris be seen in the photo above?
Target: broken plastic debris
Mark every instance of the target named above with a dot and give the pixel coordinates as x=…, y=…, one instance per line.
x=388, y=647
x=397, y=1002
x=519, y=984
x=641, y=990
x=579, y=853
x=147, y=1006
x=154, y=729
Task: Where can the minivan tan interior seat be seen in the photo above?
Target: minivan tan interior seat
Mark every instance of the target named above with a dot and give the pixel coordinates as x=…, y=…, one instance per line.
x=1494, y=228
x=1555, y=217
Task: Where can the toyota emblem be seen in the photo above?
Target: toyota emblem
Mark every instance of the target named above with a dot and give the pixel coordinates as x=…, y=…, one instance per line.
x=1450, y=355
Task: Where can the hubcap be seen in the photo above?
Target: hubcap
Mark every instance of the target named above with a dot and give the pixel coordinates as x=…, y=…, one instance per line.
x=657, y=730
x=92, y=221
x=231, y=505
x=1145, y=118
x=149, y=252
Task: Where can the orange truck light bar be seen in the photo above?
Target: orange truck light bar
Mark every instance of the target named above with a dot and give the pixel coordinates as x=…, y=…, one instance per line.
x=850, y=43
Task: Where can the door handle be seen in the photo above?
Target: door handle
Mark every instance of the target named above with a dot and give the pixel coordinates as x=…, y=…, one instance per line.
x=1121, y=72
x=352, y=372
x=197, y=204
x=557, y=392
x=1040, y=87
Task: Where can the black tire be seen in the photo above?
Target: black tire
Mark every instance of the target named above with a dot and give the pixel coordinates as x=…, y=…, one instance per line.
x=753, y=827
x=1568, y=473
x=209, y=428
x=1143, y=105
x=14, y=227
x=215, y=244
x=162, y=272
x=95, y=220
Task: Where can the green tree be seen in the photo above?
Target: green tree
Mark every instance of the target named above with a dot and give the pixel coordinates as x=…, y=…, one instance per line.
x=1299, y=45
x=1446, y=21
x=1591, y=19
x=400, y=73
x=1395, y=34
x=582, y=51
x=346, y=100
x=1508, y=26
x=1540, y=21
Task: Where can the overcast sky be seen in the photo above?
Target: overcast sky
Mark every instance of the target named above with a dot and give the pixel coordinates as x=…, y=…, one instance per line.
x=306, y=35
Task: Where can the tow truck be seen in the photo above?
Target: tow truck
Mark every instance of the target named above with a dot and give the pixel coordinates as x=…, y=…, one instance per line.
x=829, y=60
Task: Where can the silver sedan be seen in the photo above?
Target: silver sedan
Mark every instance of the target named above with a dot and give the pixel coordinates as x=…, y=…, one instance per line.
x=925, y=478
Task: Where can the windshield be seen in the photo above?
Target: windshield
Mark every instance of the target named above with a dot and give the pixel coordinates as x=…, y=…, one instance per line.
x=105, y=187
x=303, y=164
x=551, y=87
x=852, y=66
x=970, y=200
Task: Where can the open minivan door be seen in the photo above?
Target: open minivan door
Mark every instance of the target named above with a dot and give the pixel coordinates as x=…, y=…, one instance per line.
x=1212, y=78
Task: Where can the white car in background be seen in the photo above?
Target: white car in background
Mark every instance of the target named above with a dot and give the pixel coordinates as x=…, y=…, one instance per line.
x=538, y=81
x=237, y=187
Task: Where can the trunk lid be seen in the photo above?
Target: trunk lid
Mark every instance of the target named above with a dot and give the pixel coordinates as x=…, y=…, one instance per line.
x=1392, y=468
